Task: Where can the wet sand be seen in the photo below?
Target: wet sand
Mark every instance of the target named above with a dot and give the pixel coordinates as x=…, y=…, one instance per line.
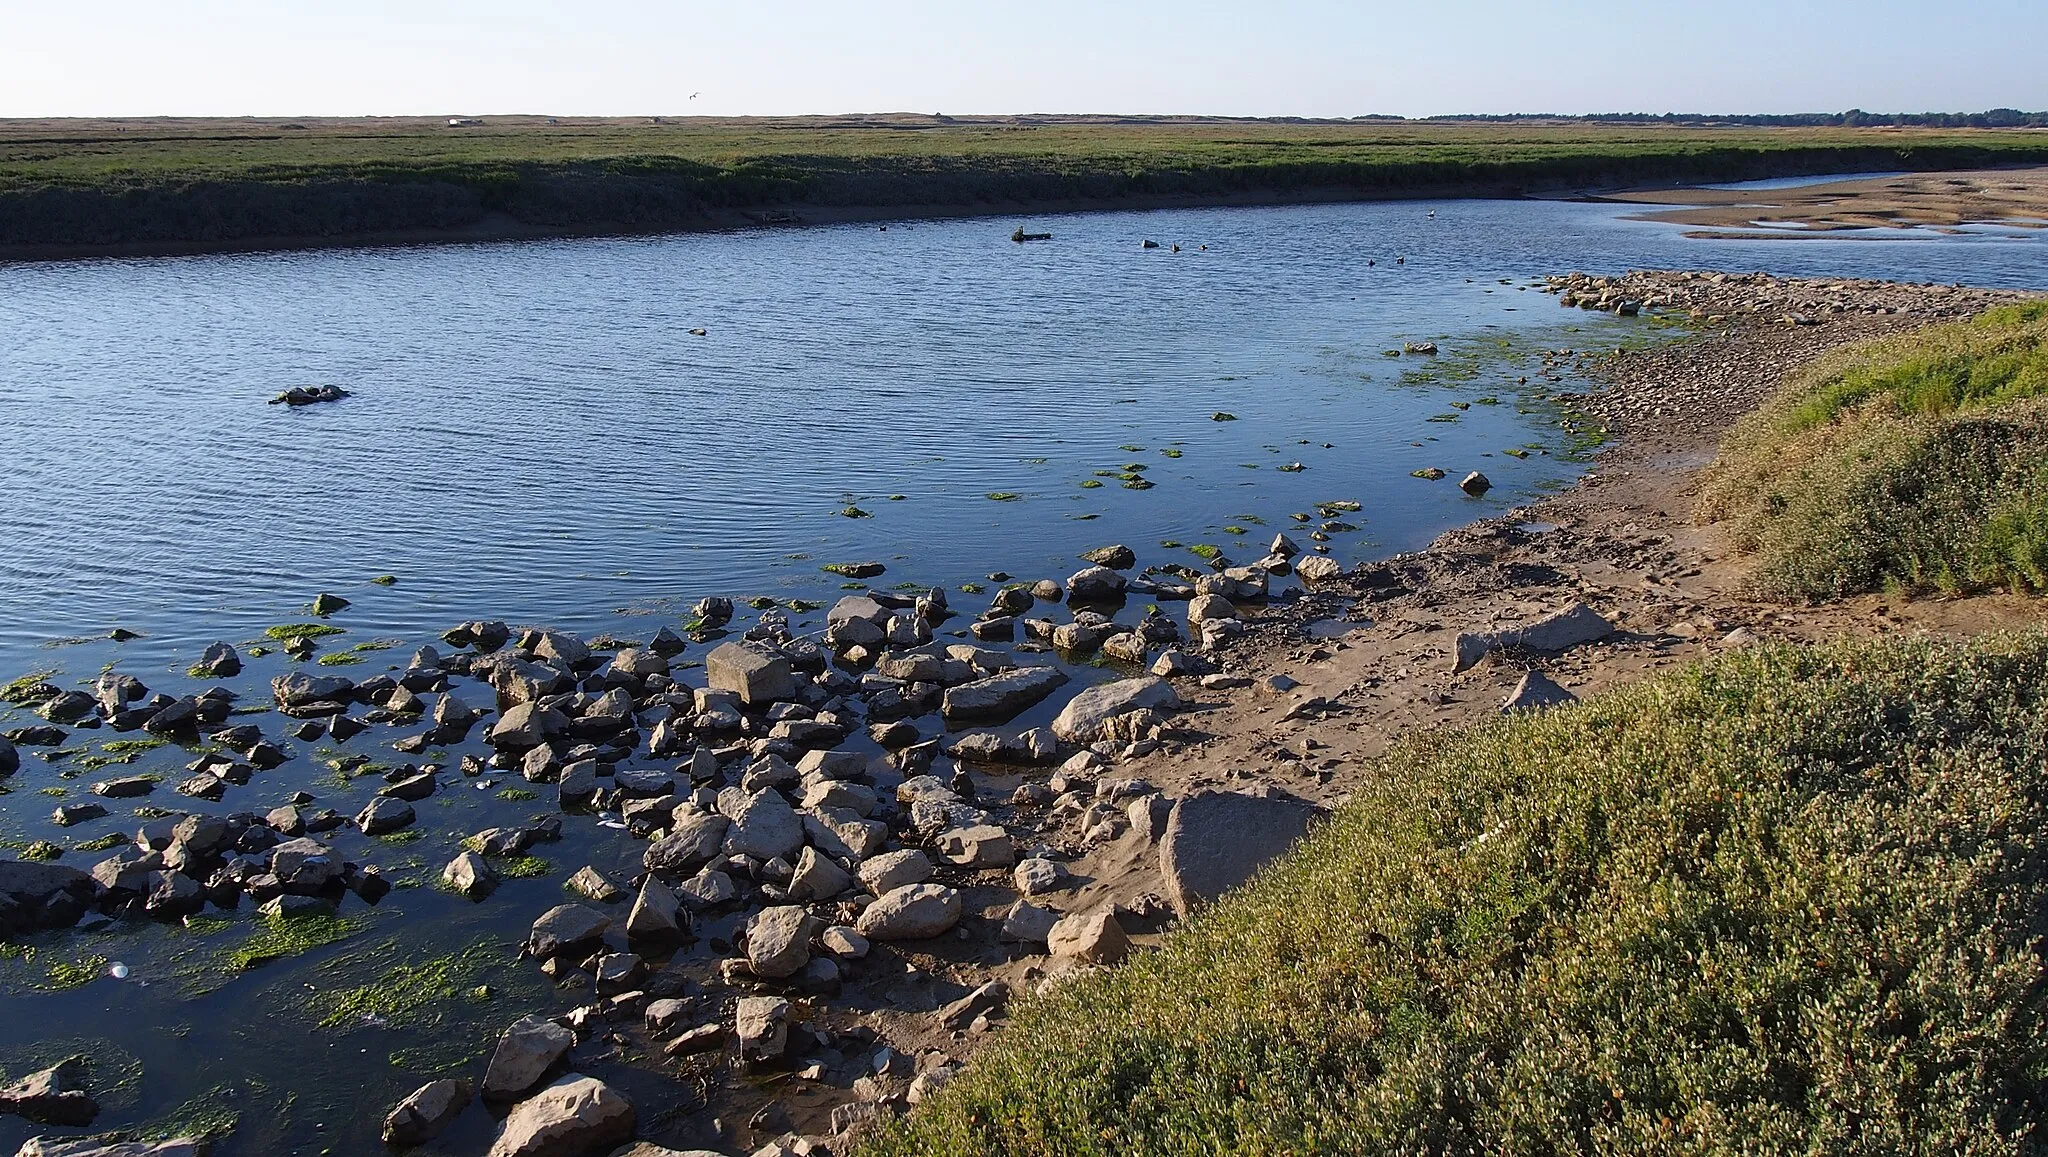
x=1874, y=207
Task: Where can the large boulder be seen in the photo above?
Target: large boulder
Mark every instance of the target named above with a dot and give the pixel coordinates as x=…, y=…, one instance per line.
x=817, y=878
x=638, y=664
x=1535, y=692
x=1216, y=840
x=219, y=661
x=1117, y=557
x=1001, y=697
x=384, y=815
x=892, y=870
x=689, y=845
x=564, y=927
x=755, y=676
x=1097, y=584
x=1084, y=716
x=1091, y=937
x=298, y=689
x=469, y=875
x=1208, y=608
x=1317, y=569
x=763, y=825
x=841, y=832
x=558, y=649
x=53, y=1096
x=912, y=912
x=657, y=912
x=761, y=1023
x=976, y=847
x=856, y=621
x=526, y=725
x=525, y=1053
x=574, y=1117
x=779, y=941
x=425, y=1112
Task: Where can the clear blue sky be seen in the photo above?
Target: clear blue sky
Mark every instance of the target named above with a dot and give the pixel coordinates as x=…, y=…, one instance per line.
x=1294, y=57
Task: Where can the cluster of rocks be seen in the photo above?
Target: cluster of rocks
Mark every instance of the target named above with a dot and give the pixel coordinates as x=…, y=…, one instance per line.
x=1764, y=329
x=178, y=864
x=1793, y=301
x=1212, y=615
x=794, y=813
x=811, y=852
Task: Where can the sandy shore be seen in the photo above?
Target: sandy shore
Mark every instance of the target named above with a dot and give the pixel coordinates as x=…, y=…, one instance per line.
x=1873, y=207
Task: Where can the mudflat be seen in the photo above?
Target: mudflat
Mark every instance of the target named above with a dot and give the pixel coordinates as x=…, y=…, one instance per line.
x=1877, y=206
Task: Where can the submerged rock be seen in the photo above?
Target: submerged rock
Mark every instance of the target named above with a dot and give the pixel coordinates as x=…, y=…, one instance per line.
x=309, y=396
x=53, y=1096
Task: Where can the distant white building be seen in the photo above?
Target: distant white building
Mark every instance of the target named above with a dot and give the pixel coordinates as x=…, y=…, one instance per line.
x=463, y=122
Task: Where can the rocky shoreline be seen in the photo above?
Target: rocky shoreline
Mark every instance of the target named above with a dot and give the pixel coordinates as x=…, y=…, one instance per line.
x=841, y=886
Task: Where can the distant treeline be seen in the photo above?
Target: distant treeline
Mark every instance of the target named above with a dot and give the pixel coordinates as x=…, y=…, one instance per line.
x=1997, y=118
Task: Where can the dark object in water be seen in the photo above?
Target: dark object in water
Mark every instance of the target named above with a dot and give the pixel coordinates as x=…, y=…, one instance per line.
x=1020, y=236
x=309, y=395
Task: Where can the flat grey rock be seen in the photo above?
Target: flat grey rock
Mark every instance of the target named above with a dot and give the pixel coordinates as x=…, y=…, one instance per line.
x=1567, y=628
x=1215, y=841
x=1082, y=719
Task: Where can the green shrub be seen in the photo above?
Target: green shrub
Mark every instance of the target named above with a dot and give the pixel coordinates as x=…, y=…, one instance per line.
x=1919, y=461
x=1788, y=902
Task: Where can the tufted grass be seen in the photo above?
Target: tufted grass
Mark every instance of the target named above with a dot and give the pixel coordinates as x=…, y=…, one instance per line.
x=1790, y=901
x=1917, y=462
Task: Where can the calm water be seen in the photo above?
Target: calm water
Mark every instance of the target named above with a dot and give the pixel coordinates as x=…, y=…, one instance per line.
x=535, y=435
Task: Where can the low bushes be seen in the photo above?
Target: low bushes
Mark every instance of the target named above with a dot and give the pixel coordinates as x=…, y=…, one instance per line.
x=1790, y=901
x=1918, y=462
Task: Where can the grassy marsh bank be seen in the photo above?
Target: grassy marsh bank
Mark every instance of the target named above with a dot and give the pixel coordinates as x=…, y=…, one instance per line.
x=219, y=183
x=1917, y=462
x=1783, y=900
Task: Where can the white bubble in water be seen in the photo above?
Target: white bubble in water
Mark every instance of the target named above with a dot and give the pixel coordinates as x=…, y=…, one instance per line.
x=117, y=970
